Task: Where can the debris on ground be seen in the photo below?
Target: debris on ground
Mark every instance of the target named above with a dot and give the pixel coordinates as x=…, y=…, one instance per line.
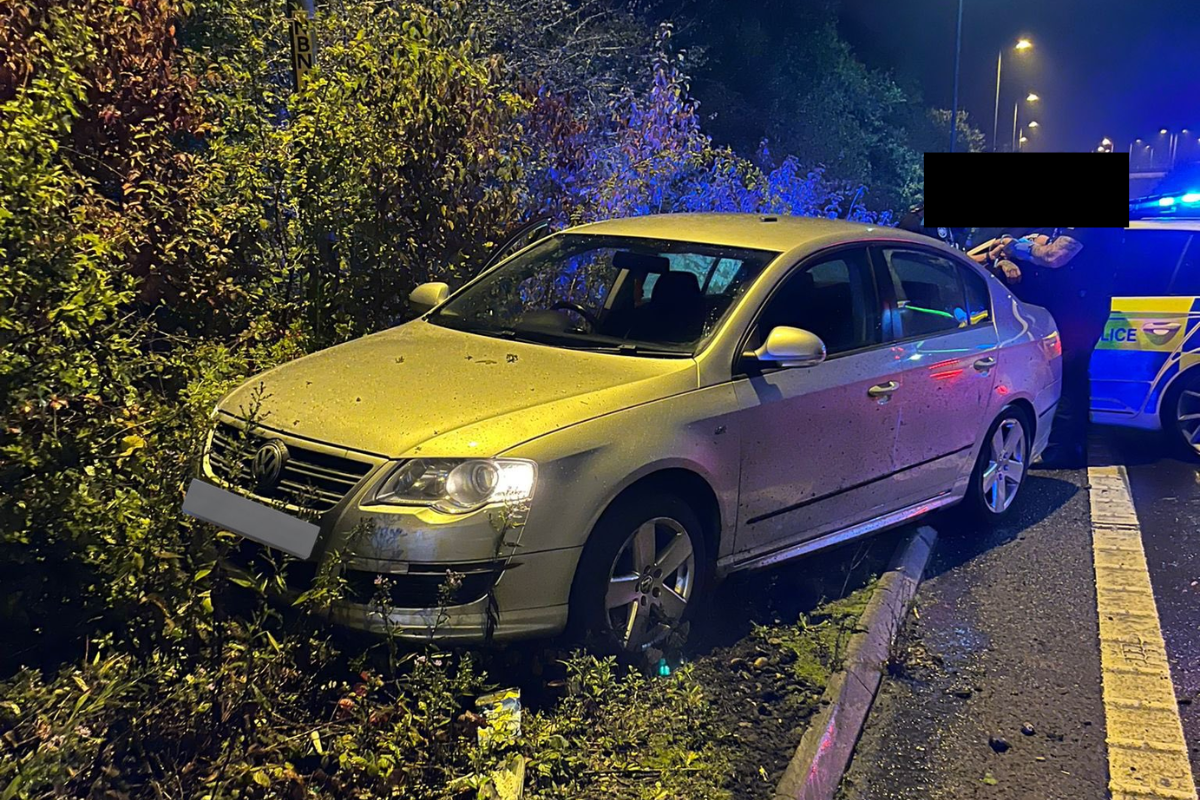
x=501, y=712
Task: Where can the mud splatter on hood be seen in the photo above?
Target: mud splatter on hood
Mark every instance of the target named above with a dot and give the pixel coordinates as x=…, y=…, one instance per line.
x=444, y=392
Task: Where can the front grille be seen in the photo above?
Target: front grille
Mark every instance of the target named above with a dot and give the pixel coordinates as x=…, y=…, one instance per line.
x=421, y=587
x=310, y=480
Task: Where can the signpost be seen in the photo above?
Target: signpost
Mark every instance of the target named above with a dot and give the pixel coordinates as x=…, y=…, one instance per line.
x=304, y=42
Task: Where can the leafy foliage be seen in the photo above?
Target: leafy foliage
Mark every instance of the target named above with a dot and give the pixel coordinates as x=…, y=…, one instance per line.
x=396, y=163
x=781, y=71
x=658, y=160
x=175, y=218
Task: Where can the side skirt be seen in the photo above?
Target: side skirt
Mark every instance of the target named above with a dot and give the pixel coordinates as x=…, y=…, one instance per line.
x=735, y=563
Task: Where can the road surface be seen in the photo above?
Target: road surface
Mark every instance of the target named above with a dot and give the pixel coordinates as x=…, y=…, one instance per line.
x=995, y=690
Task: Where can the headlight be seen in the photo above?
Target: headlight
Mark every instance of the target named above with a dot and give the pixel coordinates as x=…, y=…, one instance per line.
x=455, y=485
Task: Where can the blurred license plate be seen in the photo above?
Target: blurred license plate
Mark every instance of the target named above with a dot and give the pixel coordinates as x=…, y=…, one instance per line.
x=256, y=521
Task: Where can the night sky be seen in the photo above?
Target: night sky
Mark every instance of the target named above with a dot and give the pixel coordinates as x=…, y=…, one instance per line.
x=1103, y=68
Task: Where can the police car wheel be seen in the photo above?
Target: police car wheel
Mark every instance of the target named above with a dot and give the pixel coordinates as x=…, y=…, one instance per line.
x=1185, y=413
x=1000, y=468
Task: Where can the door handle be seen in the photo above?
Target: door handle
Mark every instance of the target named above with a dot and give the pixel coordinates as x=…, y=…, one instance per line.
x=883, y=389
x=985, y=363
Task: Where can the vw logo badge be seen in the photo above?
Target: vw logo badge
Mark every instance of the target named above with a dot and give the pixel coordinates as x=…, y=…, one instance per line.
x=268, y=463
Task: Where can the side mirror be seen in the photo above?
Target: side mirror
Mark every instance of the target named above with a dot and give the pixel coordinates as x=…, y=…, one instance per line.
x=790, y=347
x=428, y=296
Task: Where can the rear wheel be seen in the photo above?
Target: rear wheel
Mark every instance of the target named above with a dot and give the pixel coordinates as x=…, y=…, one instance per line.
x=1000, y=468
x=1181, y=413
x=640, y=575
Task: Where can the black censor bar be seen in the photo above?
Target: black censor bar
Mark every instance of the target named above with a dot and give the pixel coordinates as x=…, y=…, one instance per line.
x=1085, y=190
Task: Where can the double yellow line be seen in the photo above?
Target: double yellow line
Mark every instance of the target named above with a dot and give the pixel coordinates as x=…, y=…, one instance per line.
x=1147, y=754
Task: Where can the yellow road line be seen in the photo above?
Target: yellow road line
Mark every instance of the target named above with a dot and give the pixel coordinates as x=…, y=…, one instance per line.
x=1147, y=755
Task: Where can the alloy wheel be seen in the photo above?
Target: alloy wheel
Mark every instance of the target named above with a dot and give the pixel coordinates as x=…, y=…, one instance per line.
x=1187, y=417
x=650, y=583
x=1006, y=466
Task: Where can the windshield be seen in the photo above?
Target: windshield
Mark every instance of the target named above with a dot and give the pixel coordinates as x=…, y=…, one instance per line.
x=624, y=294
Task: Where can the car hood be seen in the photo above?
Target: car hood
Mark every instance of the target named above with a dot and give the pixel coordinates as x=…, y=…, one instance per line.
x=423, y=389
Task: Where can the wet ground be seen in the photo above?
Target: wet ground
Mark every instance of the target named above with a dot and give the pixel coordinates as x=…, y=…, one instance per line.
x=1005, y=636
x=1166, y=493
x=994, y=690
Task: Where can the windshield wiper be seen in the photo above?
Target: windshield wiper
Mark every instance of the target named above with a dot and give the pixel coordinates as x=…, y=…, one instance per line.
x=633, y=349
x=571, y=342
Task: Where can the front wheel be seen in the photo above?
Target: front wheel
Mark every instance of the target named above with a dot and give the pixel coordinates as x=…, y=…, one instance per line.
x=1182, y=412
x=1000, y=468
x=640, y=574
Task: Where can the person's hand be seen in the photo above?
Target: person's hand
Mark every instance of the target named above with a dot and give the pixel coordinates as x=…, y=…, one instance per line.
x=1012, y=273
x=1020, y=248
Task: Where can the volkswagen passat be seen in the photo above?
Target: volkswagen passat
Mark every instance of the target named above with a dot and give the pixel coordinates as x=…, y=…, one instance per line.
x=595, y=430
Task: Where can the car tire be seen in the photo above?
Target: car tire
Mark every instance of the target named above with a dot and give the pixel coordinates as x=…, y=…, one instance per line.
x=1182, y=401
x=1001, y=467
x=625, y=601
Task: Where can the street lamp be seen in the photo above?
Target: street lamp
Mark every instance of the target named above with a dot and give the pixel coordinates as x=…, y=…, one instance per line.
x=957, y=55
x=1021, y=46
x=1031, y=98
x=1033, y=123
x=1106, y=142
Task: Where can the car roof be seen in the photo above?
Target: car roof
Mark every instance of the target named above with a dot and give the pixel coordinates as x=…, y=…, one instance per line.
x=779, y=233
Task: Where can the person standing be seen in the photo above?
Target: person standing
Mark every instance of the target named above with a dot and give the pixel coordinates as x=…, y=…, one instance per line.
x=1071, y=273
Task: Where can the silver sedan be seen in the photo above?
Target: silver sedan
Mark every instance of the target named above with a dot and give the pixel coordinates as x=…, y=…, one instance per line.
x=594, y=431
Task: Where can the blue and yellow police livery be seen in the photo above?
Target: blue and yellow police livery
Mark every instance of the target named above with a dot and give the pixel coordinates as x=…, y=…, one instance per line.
x=1146, y=368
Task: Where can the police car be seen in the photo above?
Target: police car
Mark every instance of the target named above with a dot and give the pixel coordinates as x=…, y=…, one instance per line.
x=1146, y=368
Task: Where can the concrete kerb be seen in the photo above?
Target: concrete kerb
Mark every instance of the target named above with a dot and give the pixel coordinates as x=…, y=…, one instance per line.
x=816, y=768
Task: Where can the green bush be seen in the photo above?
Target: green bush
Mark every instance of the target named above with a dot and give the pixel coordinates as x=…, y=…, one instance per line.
x=173, y=219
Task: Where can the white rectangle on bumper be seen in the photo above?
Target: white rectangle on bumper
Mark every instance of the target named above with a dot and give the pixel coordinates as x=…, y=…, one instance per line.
x=253, y=520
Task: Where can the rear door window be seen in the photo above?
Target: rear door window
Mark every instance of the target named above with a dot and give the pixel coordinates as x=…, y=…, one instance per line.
x=929, y=291
x=1147, y=261
x=1186, y=282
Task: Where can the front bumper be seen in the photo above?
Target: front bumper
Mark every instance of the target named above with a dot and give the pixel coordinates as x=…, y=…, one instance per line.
x=417, y=604
x=454, y=624
x=413, y=548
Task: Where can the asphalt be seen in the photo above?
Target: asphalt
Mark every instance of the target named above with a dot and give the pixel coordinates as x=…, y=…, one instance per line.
x=1004, y=639
x=1166, y=494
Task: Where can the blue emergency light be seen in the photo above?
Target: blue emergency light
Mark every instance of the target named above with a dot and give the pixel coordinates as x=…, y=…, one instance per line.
x=1167, y=205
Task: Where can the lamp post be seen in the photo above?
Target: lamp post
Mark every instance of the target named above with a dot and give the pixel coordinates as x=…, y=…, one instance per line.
x=1021, y=45
x=957, y=56
x=1030, y=98
x=1023, y=138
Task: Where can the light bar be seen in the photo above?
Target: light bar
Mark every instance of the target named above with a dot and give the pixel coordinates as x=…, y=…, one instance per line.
x=1164, y=205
